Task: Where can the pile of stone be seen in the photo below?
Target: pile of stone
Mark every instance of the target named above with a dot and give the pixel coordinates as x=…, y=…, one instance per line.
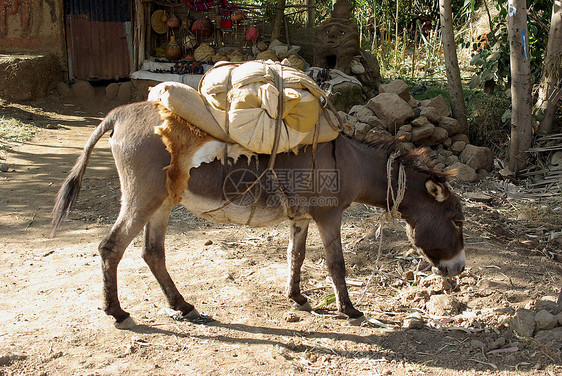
x=541, y=320
x=426, y=123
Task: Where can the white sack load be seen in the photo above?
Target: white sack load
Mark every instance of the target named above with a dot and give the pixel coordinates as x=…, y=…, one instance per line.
x=253, y=106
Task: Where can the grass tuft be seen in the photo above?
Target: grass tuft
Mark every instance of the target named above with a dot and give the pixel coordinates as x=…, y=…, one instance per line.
x=14, y=130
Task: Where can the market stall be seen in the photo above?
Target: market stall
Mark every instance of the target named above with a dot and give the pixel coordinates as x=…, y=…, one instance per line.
x=182, y=39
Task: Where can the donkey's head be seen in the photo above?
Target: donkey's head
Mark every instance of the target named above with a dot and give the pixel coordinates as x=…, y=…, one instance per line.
x=434, y=224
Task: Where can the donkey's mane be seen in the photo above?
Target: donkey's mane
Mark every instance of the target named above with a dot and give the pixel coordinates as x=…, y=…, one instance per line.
x=416, y=159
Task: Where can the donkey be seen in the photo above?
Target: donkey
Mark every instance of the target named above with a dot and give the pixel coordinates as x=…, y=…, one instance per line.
x=314, y=184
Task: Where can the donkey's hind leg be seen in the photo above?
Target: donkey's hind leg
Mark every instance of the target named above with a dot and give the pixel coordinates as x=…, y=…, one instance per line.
x=128, y=225
x=154, y=255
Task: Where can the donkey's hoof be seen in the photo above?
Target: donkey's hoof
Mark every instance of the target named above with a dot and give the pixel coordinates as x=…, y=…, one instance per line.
x=191, y=315
x=357, y=321
x=303, y=307
x=128, y=323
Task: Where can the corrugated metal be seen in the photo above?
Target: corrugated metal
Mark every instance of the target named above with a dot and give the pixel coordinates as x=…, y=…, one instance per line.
x=99, y=39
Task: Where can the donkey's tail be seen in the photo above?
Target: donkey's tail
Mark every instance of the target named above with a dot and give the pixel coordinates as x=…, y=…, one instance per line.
x=68, y=193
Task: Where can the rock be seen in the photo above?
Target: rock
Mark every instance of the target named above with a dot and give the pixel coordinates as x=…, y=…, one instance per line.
x=352, y=120
x=417, y=112
x=397, y=87
x=355, y=109
x=443, y=305
x=375, y=122
x=392, y=109
x=422, y=132
x=460, y=137
x=419, y=121
x=439, y=135
x=445, y=153
x=209, y=242
x=405, y=128
x=431, y=113
x=291, y=317
x=436, y=284
x=405, y=147
x=348, y=129
x=441, y=158
x=111, y=90
x=447, y=142
x=545, y=320
x=440, y=166
x=552, y=338
x=413, y=102
x=361, y=130
x=559, y=318
x=548, y=303
x=362, y=113
x=414, y=297
x=451, y=125
x=413, y=322
x=378, y=135
x=556, y=158
x=464, y=172
x=404, y=135
x=440, y=104
x=346, y=95
x=64, y=90
x=498, y=343
x=125, y=90
x=83, y=89
x=477, y=157
x=458, y=146
x=523, y=322
x=477, y=344
x=409, y=275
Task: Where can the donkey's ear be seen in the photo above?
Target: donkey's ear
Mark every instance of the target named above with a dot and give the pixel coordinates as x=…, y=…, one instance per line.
x=438, y=190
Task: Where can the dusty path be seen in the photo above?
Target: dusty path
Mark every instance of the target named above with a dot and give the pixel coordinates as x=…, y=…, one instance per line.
x=50, y=290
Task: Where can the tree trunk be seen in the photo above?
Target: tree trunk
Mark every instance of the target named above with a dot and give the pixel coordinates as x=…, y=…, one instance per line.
x=452, y=64
x=549, y=92
x=278, y=23
x=311, y=13
x=521, y=115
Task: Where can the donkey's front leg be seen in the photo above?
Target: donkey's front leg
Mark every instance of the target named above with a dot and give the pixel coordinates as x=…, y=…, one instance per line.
x=295, y=258
x=329, y=225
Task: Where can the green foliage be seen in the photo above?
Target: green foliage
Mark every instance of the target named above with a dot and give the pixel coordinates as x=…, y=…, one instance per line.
x=487, y=123
x=492, y=64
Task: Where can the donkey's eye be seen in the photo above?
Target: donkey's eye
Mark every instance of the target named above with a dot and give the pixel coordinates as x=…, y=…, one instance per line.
x=458, y=223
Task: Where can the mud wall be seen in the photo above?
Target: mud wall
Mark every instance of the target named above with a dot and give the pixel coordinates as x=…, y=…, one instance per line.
x=33, y=26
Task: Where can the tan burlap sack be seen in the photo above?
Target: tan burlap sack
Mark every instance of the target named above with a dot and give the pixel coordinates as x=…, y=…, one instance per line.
x=187, y=103
x=253, y=104
x=253, y=107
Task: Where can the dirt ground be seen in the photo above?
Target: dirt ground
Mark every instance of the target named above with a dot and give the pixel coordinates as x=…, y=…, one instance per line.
x=51, y=322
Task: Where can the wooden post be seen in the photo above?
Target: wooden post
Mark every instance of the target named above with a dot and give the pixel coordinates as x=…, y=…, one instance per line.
x=278, y=23
x=521, y=115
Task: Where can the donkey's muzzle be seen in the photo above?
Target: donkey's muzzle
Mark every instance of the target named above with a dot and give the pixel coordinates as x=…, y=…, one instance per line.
x=451, y=267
